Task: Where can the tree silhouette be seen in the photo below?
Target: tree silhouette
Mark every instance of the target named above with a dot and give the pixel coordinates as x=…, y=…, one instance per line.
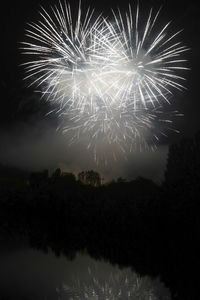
x=90, y=178
x=56, y=174
x=81, y=177
x=70, y=177
x=183, y=166
x=38, y=180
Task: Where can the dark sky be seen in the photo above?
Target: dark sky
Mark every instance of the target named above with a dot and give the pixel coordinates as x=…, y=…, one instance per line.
x=29, y=139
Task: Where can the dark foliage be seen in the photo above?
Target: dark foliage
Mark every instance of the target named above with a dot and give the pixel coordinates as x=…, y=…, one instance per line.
x=155, y=229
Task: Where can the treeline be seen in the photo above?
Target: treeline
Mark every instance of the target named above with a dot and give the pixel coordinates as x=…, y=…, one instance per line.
x=155, y=229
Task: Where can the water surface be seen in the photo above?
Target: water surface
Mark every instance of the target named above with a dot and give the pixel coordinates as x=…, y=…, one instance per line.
x=30, y=274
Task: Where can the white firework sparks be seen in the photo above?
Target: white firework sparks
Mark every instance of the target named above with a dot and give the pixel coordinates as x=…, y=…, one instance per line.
x=108, y=78
x=126, y=129
x=121, y=284
x=148, y=61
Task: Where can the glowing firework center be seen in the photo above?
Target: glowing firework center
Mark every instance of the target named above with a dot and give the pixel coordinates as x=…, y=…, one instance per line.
x=113, y=82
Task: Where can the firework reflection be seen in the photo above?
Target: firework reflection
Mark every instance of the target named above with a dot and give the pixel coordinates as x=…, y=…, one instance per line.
x=118, y=284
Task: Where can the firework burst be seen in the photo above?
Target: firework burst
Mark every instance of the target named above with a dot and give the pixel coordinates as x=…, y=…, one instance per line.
x=109, y=78
x=147, y=68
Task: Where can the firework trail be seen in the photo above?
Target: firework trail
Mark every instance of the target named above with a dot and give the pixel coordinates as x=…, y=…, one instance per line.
x=109, y=78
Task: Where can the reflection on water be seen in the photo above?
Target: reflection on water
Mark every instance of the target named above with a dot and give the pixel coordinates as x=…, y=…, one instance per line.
x=103, y=281
x=31, y=275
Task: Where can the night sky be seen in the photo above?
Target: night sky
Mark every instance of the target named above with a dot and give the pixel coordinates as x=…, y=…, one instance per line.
x=29, y=140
